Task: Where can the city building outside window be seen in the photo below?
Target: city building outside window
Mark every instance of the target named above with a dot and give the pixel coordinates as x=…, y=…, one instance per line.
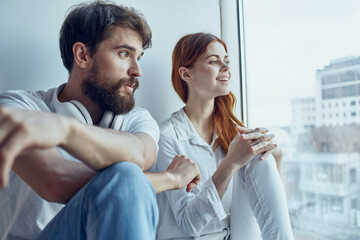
x=299, y=56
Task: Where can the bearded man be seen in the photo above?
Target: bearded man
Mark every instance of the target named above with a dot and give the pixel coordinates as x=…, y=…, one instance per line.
x=72, y=159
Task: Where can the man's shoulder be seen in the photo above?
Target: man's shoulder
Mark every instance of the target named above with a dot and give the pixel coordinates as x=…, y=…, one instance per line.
x=137, y=110
x=139, y=116
x=27, y=99
x=138, y=113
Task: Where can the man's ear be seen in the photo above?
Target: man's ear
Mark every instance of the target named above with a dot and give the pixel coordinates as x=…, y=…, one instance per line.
x=185, y=74
x=81, y=55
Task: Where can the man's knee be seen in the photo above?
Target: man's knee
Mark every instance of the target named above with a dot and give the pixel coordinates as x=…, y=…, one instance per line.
x=124, y=170
x=122, y=181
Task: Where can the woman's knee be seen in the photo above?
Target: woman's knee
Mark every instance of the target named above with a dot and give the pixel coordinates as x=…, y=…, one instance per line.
x=267, y=164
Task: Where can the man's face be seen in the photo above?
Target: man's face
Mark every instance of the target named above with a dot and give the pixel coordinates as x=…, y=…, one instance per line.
x=112, y=79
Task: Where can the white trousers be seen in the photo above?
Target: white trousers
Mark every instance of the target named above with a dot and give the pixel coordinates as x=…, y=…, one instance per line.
x=259, y=209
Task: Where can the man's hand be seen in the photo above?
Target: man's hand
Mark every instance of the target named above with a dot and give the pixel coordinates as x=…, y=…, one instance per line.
x=181, y=172
x=21, y=130
x=185, y=172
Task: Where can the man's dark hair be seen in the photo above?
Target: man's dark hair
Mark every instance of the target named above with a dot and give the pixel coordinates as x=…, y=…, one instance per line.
x=91, y=23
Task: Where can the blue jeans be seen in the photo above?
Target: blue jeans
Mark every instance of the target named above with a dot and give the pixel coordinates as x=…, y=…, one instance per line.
x=118, y=203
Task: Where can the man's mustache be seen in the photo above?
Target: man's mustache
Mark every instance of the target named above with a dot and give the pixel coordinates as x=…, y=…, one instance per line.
x=133, y=81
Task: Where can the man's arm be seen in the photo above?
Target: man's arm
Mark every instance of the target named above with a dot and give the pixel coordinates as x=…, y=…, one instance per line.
x=98, y=148
x=50, y=175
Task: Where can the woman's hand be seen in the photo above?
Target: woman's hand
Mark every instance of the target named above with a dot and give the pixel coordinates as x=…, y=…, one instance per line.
x=263, y=143
x=249, y=143
x=278, y=155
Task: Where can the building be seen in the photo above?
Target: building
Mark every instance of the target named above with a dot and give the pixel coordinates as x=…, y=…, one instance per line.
x=327, y=131
x=303, y=115
x=338, y=93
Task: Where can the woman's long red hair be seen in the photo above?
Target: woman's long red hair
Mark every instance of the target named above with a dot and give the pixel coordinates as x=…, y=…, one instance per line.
x=186, y=52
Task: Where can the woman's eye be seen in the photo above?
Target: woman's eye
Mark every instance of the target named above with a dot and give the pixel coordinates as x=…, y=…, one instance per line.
x=227, y=62
x=214, y=62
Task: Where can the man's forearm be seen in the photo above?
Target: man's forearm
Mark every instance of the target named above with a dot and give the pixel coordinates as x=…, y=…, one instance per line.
x=50, y=175
x=99, y=148
x=162, y=181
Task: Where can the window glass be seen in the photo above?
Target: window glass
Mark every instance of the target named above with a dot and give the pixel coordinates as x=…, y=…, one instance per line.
x=303, y=55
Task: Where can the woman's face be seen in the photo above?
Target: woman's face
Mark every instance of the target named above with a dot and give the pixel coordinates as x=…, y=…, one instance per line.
x=210, y=75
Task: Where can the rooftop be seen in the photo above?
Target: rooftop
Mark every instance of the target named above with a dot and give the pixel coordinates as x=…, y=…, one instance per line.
x=342, y=62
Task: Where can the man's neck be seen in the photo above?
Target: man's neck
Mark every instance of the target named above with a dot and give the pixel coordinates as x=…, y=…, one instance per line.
x=72, y=91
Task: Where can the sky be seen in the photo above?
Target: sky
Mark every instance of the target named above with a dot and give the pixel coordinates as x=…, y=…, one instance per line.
x=286, y=41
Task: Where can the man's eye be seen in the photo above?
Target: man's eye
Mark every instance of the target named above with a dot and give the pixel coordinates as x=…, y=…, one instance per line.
x=124, y=53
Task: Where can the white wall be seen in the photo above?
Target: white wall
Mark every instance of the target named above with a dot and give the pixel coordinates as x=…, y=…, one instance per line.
x=30, y=57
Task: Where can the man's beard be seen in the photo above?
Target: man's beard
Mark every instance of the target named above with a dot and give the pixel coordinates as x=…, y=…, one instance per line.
x=99, y=89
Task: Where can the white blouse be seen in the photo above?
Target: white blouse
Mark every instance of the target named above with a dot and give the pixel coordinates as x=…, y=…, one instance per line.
x=200, y=212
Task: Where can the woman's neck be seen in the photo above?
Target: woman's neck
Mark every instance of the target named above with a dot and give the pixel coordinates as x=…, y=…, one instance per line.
x=201, y=115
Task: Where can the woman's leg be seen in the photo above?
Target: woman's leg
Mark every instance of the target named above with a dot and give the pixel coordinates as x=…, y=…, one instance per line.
x=118, y=203
x=259, y=203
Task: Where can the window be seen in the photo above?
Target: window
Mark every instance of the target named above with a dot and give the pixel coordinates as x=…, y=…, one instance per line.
x=297, y=46
x=336, y=205
x=347, y=76
x=329, y=79
x=354, y=204
x=353, y=176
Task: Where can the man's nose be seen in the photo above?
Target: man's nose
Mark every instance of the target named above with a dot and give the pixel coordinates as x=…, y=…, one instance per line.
x=135, y=70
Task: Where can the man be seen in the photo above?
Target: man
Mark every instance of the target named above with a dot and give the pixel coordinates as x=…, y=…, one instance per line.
x=84, y=144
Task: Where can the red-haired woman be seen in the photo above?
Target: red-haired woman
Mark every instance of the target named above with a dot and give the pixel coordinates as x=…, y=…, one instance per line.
x=240, y=192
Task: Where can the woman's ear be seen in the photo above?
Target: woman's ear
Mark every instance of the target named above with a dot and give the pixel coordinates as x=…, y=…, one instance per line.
x=185, y=74
x=81, y=55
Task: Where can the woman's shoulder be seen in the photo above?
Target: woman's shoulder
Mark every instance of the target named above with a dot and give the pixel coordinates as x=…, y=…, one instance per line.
x=167, y=130
x=175, y=121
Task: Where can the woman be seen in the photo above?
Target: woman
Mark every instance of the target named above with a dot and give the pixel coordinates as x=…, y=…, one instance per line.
x=240, y=193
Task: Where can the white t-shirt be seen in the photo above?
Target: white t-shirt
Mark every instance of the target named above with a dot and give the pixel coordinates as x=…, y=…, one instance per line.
x=23, y=214
x=200, y=212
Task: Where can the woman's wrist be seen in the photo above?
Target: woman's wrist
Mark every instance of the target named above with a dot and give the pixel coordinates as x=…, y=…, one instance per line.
x=231, y=165
x=223, y=175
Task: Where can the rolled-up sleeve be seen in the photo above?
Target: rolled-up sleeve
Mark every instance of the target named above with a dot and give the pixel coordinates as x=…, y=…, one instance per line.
x=195, y=210
x=140, y=120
